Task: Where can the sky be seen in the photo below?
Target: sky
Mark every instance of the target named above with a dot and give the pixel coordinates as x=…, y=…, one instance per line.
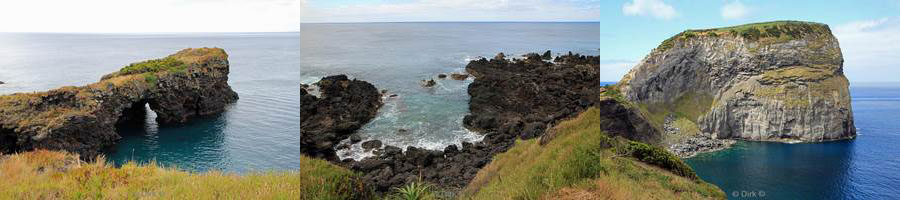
x=868, y=30
x=318, y=11
x=124, y=16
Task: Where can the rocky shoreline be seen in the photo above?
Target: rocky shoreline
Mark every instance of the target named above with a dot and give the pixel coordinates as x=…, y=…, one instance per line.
x=699, y=144
x=503, y=108
x=184, y=85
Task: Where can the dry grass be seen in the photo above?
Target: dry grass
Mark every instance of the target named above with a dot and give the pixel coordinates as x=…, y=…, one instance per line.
x=765, y=32
x=579, y=163
x=45, y=174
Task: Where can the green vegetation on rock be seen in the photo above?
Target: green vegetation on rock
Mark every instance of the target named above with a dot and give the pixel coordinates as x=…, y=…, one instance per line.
x=153, y=66
x=765, y=32
x=581, y=160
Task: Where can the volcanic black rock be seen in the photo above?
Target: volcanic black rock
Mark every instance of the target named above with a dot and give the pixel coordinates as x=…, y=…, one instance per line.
x=83, y=120
x=344, y=106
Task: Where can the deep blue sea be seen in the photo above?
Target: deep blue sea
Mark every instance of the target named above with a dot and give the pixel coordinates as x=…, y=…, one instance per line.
x=259, y=132
x=397, y=56
x=867, y=167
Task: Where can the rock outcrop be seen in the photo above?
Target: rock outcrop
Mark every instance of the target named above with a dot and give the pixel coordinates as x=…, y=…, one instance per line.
x=510, y=99
x=775, y=81
x=82, y=120
x=522, y=97
x=344, y=106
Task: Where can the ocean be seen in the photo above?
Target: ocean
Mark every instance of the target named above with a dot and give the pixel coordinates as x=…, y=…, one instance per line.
x=397, y=56
x=258, y=133
x=867, y=167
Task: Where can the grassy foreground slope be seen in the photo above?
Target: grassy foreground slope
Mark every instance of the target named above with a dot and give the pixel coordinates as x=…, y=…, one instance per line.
x=45, y=174
x=581, y=162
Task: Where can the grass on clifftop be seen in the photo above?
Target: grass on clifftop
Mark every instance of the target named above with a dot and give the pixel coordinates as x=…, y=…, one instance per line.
x=766, y=32
x=581, y=162
x=175, y=63
x=45, y=174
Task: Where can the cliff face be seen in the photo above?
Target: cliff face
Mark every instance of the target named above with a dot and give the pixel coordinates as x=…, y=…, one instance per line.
x=776, y=81
x=82, y=119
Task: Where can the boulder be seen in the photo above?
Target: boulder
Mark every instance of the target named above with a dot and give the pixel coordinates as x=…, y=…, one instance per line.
x=459, y=76
x=371, y=144
x=428, y=83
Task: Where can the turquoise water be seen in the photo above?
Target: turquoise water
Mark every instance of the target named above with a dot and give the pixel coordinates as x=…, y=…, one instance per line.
x=867, y=167
x=396, y=56
x=259, y=132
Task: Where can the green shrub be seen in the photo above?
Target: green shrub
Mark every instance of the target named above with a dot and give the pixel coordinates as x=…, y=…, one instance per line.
x=659, y=157
x=414, y=191
x=751, y=34
x=151, y=78
x=157, y=65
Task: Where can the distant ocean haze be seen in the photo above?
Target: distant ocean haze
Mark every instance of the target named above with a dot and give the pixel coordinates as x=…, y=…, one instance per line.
x=259, y=132
x=397, y=56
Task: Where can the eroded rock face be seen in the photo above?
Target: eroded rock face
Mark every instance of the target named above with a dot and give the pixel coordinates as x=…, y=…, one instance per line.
x=82, y=119
x=345, y=106
x=774, y=81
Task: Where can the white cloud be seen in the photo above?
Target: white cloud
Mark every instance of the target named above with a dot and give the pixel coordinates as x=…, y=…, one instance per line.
x=654, y=8
x=150, y=16
x=456, y=10
x=871, y=49
x=735, y=10
x=614, y=70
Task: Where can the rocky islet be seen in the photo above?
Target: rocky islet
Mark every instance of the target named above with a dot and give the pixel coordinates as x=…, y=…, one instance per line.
x=775, y=81
x=190, y=83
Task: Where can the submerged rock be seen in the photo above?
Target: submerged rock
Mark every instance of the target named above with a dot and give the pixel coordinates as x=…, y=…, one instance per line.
x=428, y=83
x=344, y=107
x=459, y=76
x=187, y=84
x=777, y=81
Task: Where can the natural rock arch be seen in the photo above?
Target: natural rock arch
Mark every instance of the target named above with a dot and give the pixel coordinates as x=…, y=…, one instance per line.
x=190, y=83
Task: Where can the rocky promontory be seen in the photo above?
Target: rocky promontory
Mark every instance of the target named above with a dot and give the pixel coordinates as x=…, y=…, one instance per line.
x=774, y=81
x=189, y=83
x=342, y=107
x=522, y=97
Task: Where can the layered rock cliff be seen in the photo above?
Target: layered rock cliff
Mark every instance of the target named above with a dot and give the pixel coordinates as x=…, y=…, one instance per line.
x=775, y=81
x=189, y=83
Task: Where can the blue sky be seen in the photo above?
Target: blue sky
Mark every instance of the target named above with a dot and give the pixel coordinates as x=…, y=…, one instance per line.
x=869, y=31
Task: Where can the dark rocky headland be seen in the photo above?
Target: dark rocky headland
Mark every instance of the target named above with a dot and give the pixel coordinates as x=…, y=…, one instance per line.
x=342, y=107
x=189, y=83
